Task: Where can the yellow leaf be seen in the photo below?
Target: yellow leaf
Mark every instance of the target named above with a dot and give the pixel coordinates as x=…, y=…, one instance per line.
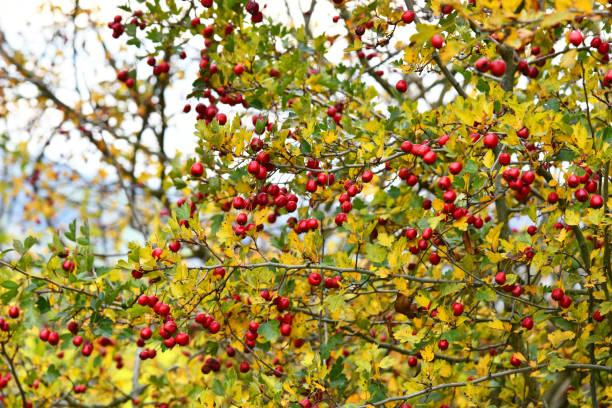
x=330, y=136
x=489, y=159
x=497, y=324
x=571, y=217
x=493, y=236
x=421, y=300
x=427, y=353
x=387, y=362
x=557, y=337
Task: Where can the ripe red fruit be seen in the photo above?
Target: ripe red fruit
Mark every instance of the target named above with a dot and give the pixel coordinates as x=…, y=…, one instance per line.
x=13, y=312
x=449, y=196
x=442, y=140
x=527, y=323
x=603, y=48
x=565, y=302
x=238, y=69
x=573, y=181
x=157, y=253
x=498, y=67
x=245, y=367
x=430, y=157
x=314, y=279
x=411, y=233
x=434, y=258
x=401, y=86
x=444, y=183
x=87, y=349
x=408, y=16
x=557, y=294
x=490, y=140
x=443, y=344
x=523, y=133
x=596, y=201
x=437, y=41
x=44, y=334
x=174, y=246
x=500, y=278
x=285, y=329
x=504, y=159
x=575, y=37
x=553, y=198
x=457, y=309
x=412, y=361
x=53, y=338
x=482, y=64
x=367, y=175
x=528, y=177
x=143, y=300
x=305, y=403
x=455, y=168
x=515, y=361
x=581, y=195
x=77, y=341
x=214, y=327
x=253, y=167
x=597, y=316
x=532, y=229
x=182, y=339
x=145, y=333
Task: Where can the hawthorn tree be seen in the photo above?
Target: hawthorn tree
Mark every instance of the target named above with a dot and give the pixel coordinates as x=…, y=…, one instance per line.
x=411, y=211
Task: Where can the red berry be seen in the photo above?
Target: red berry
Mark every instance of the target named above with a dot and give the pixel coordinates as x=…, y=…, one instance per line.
x=527, y=323
x=455, y=168
x=490, y=140
x=498, y=67
x=457, y=309
x=437, y=41
x=565, y=302
x=500, y=278
x=575, y=37
x=443, y=344
x=401, y=86
x=596, y=201
x=408, y=16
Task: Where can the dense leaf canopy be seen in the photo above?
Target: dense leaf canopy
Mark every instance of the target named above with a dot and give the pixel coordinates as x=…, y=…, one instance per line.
x=387, y=204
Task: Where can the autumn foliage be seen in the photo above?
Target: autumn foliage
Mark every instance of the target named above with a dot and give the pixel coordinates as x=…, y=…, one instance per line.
x=404, y=205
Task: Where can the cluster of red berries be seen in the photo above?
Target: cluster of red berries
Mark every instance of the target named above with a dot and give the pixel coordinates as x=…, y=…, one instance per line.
x=559, y=295
x=208, y=322
x=158, y=306
x=4, y=380
x=496, y=67
x=519, y=182
x=252, y=7
x=590, y=186
x=315, y=279
x=80, y=388
x=116, y=26
x=124, y=76
x=421, y=150
x=335, y=112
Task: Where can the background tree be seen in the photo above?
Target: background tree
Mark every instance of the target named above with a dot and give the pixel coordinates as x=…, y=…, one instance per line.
x=409, y=207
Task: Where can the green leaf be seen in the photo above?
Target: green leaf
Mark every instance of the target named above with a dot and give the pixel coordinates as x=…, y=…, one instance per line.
x=270, y=330
x=8, y=296
x=375, y=253
x=331, y=344
x=9, y=284
x=51, y=374
x=557, y=364
x=42, y=304
x=305, y=147
x=218, y=388
x=486, y=294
